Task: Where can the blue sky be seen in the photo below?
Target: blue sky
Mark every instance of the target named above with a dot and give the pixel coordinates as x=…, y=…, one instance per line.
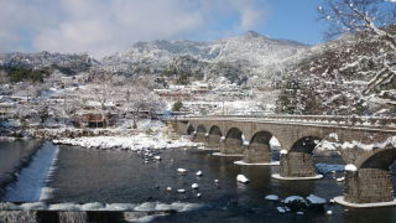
x=295, y=20
x=100, y=27
x=284, y=19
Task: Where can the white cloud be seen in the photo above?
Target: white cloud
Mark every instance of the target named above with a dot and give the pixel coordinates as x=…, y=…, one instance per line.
x=100, y=27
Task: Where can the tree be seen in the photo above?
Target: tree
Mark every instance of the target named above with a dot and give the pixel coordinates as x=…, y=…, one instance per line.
x=373, y=18
x=104, y=88
x=139, y=98
x=177, y=106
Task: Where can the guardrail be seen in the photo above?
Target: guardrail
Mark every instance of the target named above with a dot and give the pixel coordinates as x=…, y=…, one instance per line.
x=352, y=120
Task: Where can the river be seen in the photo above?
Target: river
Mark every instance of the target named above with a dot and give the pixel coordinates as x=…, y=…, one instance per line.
x=80, y=175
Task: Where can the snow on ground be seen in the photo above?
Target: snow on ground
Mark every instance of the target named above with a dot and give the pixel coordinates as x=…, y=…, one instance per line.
x=150, y=135
x=329, y=145
x=134, y=143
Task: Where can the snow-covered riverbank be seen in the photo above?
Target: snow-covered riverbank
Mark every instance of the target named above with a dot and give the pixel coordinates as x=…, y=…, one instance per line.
x=134, y=143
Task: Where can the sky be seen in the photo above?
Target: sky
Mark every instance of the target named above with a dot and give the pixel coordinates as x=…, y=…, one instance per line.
x=102, y=27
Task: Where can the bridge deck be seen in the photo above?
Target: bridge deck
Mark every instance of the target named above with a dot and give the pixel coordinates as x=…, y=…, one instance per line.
x=358, y=123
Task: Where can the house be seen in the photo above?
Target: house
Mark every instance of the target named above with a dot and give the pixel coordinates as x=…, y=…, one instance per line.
x=7, y=109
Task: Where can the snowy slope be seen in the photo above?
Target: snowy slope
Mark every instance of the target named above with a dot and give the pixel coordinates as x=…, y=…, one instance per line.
x=256, y=53
x=345, y=76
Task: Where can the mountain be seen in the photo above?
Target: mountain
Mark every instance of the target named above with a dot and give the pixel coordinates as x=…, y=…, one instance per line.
x=68, y=64
x=347, y=76
x=249, y=55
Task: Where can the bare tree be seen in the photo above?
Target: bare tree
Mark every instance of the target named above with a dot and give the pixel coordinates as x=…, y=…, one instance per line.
x=374, y=18
x=139, y=98
x=104, y=89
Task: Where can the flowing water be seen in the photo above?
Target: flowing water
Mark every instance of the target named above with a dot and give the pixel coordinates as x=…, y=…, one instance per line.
x=30, y=183
x=84, y=176
x=13, y=157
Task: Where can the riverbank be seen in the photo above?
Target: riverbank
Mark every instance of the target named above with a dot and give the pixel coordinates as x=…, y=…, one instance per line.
x=150, y=135
x=134, y=142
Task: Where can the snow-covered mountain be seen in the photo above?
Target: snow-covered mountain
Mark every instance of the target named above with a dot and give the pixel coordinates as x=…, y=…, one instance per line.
x=66, y=63
x=352, y=75
x=252, y=53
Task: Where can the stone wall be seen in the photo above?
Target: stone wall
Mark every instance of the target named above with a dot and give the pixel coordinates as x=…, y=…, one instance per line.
x=257, y=153
x=214, y=140
x=368, y=185
x=232, y=146
x=297, y=164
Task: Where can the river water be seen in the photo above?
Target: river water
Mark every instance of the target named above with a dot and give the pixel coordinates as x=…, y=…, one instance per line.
x=81, y=175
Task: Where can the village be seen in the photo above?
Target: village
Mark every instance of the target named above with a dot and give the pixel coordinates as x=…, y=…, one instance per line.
x=108, y=101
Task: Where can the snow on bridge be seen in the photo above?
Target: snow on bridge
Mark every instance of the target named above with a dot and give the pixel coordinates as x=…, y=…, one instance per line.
x=367, y=143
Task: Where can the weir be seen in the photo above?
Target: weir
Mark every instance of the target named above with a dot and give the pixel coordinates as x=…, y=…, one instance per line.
x=14, y=157
x=29, y=184
x=40, y=212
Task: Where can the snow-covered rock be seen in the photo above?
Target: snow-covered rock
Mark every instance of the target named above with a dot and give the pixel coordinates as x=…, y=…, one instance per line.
x=272, y=197
x=315, y=200
x=283, y=209
x=242, y=178
x=181, y=190
x=350, y=167
x=181, y=170
x=194, y=186
x=296, y=202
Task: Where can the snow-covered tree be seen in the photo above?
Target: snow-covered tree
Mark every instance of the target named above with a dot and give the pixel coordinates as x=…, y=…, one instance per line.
x=376, y=19
x=142, y=99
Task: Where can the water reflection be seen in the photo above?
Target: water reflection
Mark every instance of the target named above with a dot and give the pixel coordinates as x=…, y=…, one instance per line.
x=112, y=176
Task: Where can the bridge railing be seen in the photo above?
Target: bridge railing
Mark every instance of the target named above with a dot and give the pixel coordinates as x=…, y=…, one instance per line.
x=353, y=120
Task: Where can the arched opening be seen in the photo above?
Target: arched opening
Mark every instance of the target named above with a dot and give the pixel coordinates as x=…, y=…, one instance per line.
x=306, y=144
x=259, y=150
x=214, y=136
x=201, y=134
x=309, y=156
x=233, y=142
x=190, y=130
x=374, y=179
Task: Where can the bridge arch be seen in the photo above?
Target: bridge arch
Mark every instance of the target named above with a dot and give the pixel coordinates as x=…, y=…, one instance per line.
x=298, y=161
x=372, y=180
x=233, y=141
x=200, y=135
x=306, y=144
x=190, y=130
x=201, y=128
x=259, y=150
x=214, y=137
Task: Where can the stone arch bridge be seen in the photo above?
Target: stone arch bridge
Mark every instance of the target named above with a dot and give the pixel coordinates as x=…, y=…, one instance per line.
x=367, y=145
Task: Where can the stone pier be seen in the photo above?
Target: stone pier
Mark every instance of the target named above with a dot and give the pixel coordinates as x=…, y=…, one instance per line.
x=297, y=164
x=232, y=146
x=367, y=143
x=368, y=185
x=257, y=153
